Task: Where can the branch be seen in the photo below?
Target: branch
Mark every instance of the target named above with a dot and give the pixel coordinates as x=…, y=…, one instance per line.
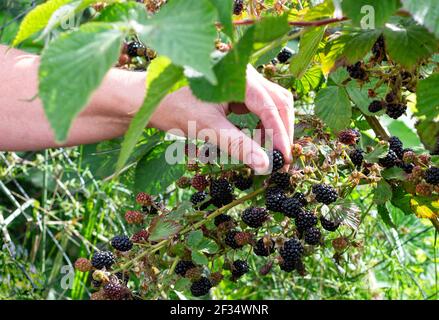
x=315, y=23
x=377, y=127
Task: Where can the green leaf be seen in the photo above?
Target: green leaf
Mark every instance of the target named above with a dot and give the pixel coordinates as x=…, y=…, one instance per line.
x=154, y=174
x=161, y=229
x=333, y=106
x=69, y=72
x=161, y=78
x=428, y=97
x=393, y=173
x=407, y=135
x=182, y=284
x=383, y=192
x=358, y=43
x=194, y=238
x=338, y=77
x=185, y=32
x=230, y=72
x=401, y=200
x=376, y=12
x=309, y=43
x=208, y=246
x=385, y=215
x=249, y=120
x=271, y=28
x=407, y=43
x=124, y=11
x=311, y=80
x=428, y=132
x=199, y=258
x=425, y=12
x=379, y=151
x=225, y=9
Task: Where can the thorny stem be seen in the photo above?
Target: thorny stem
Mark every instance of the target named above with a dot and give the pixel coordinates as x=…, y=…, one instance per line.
x=316, y=23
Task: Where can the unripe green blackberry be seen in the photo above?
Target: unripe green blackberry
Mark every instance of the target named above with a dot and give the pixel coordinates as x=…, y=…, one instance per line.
x=396, y=146
x=395, y=110
x=254, y=217
x=264, y=248
x=301, y=198
x=376, y=106
x=305, y=219
x=389, y=160
x=221, y=192
x=284, y=55
x=357, y=157
x=277, y=160
x=291, y=207
x=243, y=183
x=312, y=236
x=102, y=259
x=230, y=239
x=201, y=287
x=328, y=224
x=183, y=266
x=432, y=175
x=199, y=182
x=121, y=243
x=281, y=180
x=274, y=198
x=324, y=193
x=222, y=218
x=239, y=268
x=292, y=250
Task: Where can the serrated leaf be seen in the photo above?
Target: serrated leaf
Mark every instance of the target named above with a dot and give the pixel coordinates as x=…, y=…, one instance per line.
x=225, y=9
x=207, y=245
x=124, y=11
x=333, y=106
x=311, y=80
x=161, y=79
x=199, y=258
x=401, y=200
x=379, y=11
x=249, y=120
x=357, y=43
x=379, y=151
x=383, y=192
x=271, y=28
x=69, y=72
x=338, y=77
x=185, y=32
x=309, y=43
x=427, y=94
x=194, y=238
x=425, y=12
x=161, y=229
x=428, y=132
x=384, y=213
x=394, y=173
x=230, y=72
x=407, y=43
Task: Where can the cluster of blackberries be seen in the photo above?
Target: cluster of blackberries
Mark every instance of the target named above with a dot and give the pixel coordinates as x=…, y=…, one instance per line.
x=393, y=110
x=395, y=156
x=324, y=193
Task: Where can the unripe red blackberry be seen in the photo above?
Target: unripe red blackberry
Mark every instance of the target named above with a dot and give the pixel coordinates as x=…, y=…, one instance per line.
x=301, y=198
x=389, y=160
x=395, y=110
x=281, y=180
x=98, y=295
x=221, y=192
x=183, y=266
x=114, y=290
x=432, y=176
x=222, y=218
x=243, y=183
x=376, y=106
x=324, y=193
x=291, y=207
x=277, y=160
x=328, y=224
x=83, y=265
x=357, y=157
x=134, y=217
x=305, y=219
x=284, y=55
x=144, y=199
x=102, y=259
x=230, y=239
x=216, y=278
x=192, y=167
x=312, y=236
x=396, y=146
x=239, y=268
x=136, y=49
x=292, y=250
x=264, y=248
x=349, y=136
x=121, y=243
x=201, y=287
x=238, y=6
x=254, y=217
x=140, y=236
x=199, y=182
x=274, y=198
x=183, y=182
x=357, y=71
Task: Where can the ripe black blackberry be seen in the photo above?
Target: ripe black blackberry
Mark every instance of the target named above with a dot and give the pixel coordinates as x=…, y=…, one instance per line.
x=328, y=224
x=183, y=266
x=376, y=106
x=230, y=239
x=395, y=110
x=102, y=259
x=291, y=207
x=301, y=198
x=389, y=160
x=243, y=183
x=292, y=250
x=238, y=6
x=379, y=49
x=136, y=49
x=356, y=71
x=201, y=287
x=277, y=160
x=305, y=219
x=432, y=175
x=287, y=266
x=284, y=55
x=199, y=197
x=281, y=180
x=357, y=157
x=239, y=268
x=407, y=167
x=274, y=198
x=396, y=146
x=313, y=236
x=324, y=193
x=222, y=218
x=221, y=192
x=121, y=243
x=262, y=249
x=254, y=217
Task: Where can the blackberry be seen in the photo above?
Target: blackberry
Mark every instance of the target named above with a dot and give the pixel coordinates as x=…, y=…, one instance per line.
x=134, y=217
x=238, y=6
x=83, y=265
x=183, y=266
x=239, y=268
x=281, y=180
x=287, y=266
x=305, y=220
x=262, y=250
x=324, y=193
x=292, y=250
x=357, y=157
x=115, y=291
x=277, y=160
x=183, y=182
x=396, y=146
x=391, y=97
x=432, y=175
x=313, y=236
x=201, y=287
x=121, y=243
x=407, y=167
x=376, y=106
x=222, y=218
x=143, y=199
x=102, y=259
x=199, y=182
x=389, y=160
x=230, y=239
x=198, y=198
x=221, y=192
x=356, y=71
x=136, y=49
x=349, y=136
x=254, y=217
x=243, y=183
x=395, y=110
x=291, y=207
x=284, y=55
x=328, y=224
x=301, y=198
x=274, y=198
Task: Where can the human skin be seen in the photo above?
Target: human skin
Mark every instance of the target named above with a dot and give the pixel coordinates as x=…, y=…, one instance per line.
x=24, y=126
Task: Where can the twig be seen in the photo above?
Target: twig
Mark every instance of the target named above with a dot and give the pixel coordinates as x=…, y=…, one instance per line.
x=315, y=23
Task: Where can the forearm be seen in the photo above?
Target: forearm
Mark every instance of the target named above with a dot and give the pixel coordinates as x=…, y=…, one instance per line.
x=23, y=125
